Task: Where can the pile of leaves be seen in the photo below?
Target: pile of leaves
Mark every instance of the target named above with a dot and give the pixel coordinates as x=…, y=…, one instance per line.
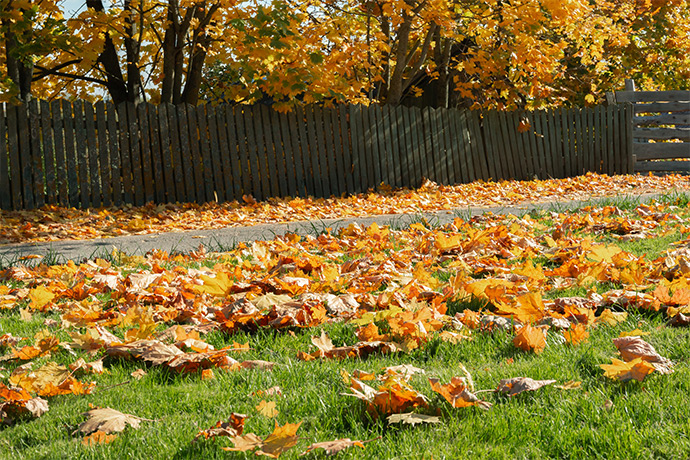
x=398, y=290
x=55, y=223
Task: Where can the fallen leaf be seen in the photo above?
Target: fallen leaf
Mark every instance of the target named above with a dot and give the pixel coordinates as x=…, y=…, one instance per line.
x=569, y=385
x=244, y=443
x=267, y=409
x=98, y=437
x=457, y=393
x=281, y=440
x=530, y=338
x=232, y=428
x=410, y=418
x=632, y=347
x=637, y=369
x=108, y=421
x=333, y=447
x=517, y=385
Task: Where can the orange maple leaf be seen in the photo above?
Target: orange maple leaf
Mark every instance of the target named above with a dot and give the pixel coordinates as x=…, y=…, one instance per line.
x=530, y=338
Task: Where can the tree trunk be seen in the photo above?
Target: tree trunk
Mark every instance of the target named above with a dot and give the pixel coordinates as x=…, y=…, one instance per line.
x=115, y=81
x=395, y=89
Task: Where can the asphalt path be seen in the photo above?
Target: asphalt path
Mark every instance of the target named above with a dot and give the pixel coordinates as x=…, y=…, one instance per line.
x=226, y=238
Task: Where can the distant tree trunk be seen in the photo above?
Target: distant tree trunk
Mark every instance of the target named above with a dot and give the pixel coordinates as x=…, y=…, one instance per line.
x=18, y=71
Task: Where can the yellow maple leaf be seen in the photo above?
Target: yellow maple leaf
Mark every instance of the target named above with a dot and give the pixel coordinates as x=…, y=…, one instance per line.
x=267, y=409
x=636, y=369
x=40, y=296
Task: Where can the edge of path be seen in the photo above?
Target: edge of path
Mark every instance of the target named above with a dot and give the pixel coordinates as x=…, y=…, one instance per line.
x=226, y=238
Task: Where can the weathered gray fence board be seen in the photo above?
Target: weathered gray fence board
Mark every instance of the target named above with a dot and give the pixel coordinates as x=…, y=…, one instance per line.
x=224, y=152
x=661, y=107
x=652, y=96
x=48, y=152
x=114, y=154
x=103, y=172
x=166, y=139
x=156, y=154
x=92, y=155
x=5, y=186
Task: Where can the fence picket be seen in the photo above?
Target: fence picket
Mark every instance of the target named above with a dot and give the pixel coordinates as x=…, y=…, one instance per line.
x=337, y=152
x=166, y=148
x=216, y=165
x=279, y=149
x=113, y=148
x=290, y=127
x=347, y=151
x=104, y=172
x=94, y=193
x=60, y=158
x=234, y=154
x=5, y=186
x=126, y=160
x=51, y=191
x=224, y=152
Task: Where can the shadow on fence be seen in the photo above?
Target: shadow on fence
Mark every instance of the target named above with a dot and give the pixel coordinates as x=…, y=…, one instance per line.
x=90, y=155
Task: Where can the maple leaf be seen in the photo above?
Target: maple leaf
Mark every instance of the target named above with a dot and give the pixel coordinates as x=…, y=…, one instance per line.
x=282, y=439
x=244, y=443
x=457, y=393
x=108, y=421
x=633, y=347
x=40, y=297
x=576, y=334
x=333, y=447
x=517, y=385
x=267, y=409
x=530, y=338
x=637, y=369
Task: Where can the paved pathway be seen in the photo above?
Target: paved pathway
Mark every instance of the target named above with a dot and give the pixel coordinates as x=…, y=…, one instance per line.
x=226, y=238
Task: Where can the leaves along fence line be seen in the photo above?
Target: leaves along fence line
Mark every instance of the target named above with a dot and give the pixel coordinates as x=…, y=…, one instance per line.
x=659, y=117
x=90, y=155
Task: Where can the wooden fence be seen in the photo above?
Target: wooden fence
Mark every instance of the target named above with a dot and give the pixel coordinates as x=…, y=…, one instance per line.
x=90, y=155
x=661, y=129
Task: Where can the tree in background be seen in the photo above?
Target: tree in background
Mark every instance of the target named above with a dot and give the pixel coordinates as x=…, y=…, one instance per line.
x=467, y=53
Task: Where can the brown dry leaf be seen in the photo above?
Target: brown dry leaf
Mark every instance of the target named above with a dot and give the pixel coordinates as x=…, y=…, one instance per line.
x=530, y=338
x=680, y=320
x=108, y=421
x=138, y=374
x=98, y=437
x=257, y=364
x=323, y=342
x=267, y=409
x=232, y=428
x=637, y=369
x=282, y=439
x=410, y=418
x=517, y=385
x=632, y=347
x=273, y=391
x=457, y=393
x=333, y=447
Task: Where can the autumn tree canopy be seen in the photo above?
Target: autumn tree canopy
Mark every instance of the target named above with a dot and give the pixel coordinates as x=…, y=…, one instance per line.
x=472, y=53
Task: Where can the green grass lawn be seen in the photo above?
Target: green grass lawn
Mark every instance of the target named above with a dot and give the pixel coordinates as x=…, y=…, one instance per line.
x=600, y=418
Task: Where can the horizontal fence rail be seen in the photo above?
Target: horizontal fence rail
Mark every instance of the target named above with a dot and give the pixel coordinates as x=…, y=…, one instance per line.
x=661, y=129
x=79, y=154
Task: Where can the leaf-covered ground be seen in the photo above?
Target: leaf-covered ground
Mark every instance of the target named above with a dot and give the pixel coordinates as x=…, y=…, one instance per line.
x=547, y=335
x=54, y=223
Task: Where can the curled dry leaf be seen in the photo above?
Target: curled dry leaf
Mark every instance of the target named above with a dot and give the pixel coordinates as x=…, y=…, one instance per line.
x=232, y=428
x=517, y=385
x=633, y=347
x=569, y=385
x=108, y=421
x=410, y=418
x=333, y=447
x=457, y=393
